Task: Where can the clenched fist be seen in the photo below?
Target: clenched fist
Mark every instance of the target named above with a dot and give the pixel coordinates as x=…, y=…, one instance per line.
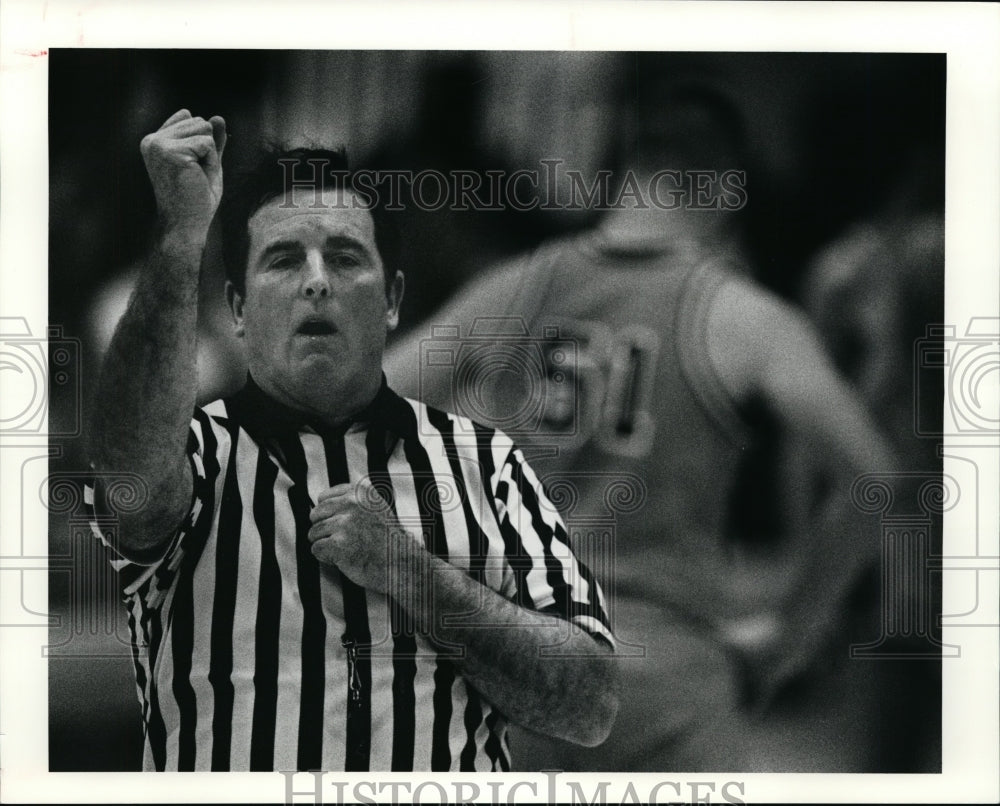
x=354, y=529
x=184, y=162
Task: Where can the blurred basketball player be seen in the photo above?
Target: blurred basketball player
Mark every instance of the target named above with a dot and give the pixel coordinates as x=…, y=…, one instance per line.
x=642, y=352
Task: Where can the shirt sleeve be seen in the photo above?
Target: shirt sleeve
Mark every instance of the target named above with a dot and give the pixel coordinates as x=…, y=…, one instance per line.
x=102, y=500
x=549, y=576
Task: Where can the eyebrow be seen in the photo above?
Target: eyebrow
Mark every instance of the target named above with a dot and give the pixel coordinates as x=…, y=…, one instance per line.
x=334, y=241
x=280, y=246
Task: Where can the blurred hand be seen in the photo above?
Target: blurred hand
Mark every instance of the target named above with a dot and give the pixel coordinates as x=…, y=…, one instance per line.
x=184, y=162
x=755, y=634
x=760, y=644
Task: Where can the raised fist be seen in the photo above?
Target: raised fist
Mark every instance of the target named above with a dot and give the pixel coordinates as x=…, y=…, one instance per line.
x=184, y=162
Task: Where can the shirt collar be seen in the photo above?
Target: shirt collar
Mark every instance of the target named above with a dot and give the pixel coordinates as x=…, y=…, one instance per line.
x=263, y=416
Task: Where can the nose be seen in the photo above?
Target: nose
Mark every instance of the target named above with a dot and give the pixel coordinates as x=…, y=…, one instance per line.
x=316, y=285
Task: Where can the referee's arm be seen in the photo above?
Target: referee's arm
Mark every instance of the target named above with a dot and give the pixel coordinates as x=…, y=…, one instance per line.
x=543, y=672
x=148, y=383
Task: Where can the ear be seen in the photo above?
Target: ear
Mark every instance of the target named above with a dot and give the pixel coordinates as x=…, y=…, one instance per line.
x=235, y=301
x=393, y=298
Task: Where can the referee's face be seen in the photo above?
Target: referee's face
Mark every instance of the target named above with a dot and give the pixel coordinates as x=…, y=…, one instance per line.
x=316, y=309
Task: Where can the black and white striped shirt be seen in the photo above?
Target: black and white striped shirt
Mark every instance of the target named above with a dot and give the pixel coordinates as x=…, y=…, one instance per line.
x=250, y=655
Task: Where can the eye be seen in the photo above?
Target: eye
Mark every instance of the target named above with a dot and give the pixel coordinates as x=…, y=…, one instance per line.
x=286, y=261
x=343, y=260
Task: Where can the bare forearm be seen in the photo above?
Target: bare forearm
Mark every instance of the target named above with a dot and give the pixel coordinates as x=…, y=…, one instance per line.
x=543, y=672
x=540, y=671
x=147, y=387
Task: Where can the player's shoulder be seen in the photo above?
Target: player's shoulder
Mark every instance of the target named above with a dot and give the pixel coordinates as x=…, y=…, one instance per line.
x=571, y=252
x=722, y=265
x=724, y=285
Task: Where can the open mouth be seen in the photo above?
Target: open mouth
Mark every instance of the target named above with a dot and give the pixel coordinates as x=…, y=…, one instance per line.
x=316, y=327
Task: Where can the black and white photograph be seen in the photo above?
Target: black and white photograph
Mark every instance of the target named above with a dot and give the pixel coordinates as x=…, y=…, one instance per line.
x=590, y=424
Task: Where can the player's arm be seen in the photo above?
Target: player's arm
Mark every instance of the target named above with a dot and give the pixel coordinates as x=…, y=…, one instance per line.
x=148, y=384
x=490, y=294
x=569, y=693
x=762, y=347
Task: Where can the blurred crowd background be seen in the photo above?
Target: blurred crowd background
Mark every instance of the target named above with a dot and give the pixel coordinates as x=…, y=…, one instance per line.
x=844, y=154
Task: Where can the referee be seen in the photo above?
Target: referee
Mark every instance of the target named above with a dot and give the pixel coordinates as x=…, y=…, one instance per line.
x=329, y=576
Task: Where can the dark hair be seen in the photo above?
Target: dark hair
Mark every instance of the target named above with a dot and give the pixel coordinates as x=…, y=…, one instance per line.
x=275, y=172
x=689, y=125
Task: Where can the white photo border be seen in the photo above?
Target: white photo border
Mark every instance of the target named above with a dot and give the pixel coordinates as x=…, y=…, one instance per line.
x=966, y=32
